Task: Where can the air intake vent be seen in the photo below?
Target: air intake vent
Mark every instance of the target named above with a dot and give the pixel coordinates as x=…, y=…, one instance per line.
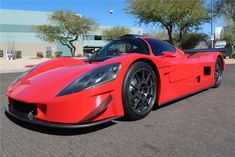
x=198, y=79
x=23, y=107
x=207, y=70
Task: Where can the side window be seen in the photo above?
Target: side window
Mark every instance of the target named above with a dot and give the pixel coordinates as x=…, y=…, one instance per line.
x=158, y=46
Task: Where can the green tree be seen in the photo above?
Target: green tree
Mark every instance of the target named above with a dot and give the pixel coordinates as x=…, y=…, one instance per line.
x=157, y=35
x=173, y=15
x=65, y=27
x=225, y=8
x=115, y=32
x=190, y=40
x=229, y=36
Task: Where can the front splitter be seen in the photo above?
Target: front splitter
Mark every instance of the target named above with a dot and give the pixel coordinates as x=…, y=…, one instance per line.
x=24, y=117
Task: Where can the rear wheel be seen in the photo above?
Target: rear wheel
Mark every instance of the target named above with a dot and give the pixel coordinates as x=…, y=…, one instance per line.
x=218, y=74
x=139, y=91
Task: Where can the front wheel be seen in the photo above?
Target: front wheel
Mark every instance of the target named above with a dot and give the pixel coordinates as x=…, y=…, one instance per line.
x=139, y=91
x=218, y=74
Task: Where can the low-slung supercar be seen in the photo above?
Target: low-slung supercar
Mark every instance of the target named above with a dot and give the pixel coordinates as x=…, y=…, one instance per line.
x=127, y=77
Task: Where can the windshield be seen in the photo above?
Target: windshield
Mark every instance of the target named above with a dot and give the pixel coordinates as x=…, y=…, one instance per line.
x=118, y=47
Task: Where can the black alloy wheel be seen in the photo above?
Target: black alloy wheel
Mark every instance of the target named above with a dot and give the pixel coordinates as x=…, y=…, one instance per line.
x=218, y=74
x=139, y=90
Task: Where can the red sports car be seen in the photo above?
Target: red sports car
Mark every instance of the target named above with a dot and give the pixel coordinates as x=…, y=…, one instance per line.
x=127, y=77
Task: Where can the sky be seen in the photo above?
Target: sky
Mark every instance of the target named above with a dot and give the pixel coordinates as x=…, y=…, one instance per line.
x=97, y=9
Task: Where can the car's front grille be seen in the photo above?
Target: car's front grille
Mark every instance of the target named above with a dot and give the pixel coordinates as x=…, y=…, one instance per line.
x=23, y=107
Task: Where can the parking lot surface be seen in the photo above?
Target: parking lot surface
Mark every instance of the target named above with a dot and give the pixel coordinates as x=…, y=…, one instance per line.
x=202, y=125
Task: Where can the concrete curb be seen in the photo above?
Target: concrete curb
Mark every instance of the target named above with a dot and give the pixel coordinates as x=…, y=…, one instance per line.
x=229, y=61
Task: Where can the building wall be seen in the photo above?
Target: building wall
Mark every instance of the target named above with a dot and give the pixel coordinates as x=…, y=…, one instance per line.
x=17, y=32
x=26, y=48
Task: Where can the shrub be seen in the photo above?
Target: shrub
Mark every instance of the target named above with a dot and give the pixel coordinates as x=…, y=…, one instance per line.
x=1, y=53
x=229, y=36
x=58, y=54
x=48, y=54
x=79, y=55
x=115, y=32
x=18, y=54
x=190, y=40
x=40, y=55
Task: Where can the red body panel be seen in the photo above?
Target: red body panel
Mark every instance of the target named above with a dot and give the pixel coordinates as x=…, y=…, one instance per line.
x=177, y=76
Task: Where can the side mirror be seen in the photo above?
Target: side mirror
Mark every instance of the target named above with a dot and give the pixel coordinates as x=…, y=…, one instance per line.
x=169, y=54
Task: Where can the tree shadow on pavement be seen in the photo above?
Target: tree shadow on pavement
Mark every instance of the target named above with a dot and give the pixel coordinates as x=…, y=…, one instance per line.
x=86, y=130
x=157, y=107
x=60, y=131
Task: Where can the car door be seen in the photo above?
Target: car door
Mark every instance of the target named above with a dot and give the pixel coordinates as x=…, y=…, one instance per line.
x=180, y=75
x=183, y=69
x=183, y=74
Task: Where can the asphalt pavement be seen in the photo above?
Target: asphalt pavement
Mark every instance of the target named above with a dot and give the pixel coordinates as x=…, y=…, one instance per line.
x=202, y=125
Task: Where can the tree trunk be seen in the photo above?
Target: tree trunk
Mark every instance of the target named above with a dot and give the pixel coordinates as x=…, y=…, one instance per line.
x=180, y=38
x=169, y=31
x=72, y=45
x=69, y=43
x=181, y=35
x=73, y=49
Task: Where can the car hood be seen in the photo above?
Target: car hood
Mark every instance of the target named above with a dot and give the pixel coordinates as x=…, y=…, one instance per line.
x=47, y=83
x=50, y=78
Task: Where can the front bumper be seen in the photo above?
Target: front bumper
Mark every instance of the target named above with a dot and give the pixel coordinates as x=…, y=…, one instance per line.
x=25, y=118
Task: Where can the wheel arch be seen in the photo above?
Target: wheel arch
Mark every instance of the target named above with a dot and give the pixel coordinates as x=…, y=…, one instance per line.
x=222, y=59
x=155, y=68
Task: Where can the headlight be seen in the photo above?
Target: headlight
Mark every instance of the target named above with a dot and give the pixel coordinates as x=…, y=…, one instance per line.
x=24, y=74
x=93, y=78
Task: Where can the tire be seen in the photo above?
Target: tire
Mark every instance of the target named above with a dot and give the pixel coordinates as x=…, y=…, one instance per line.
x=218, y=72
x=139, y=91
